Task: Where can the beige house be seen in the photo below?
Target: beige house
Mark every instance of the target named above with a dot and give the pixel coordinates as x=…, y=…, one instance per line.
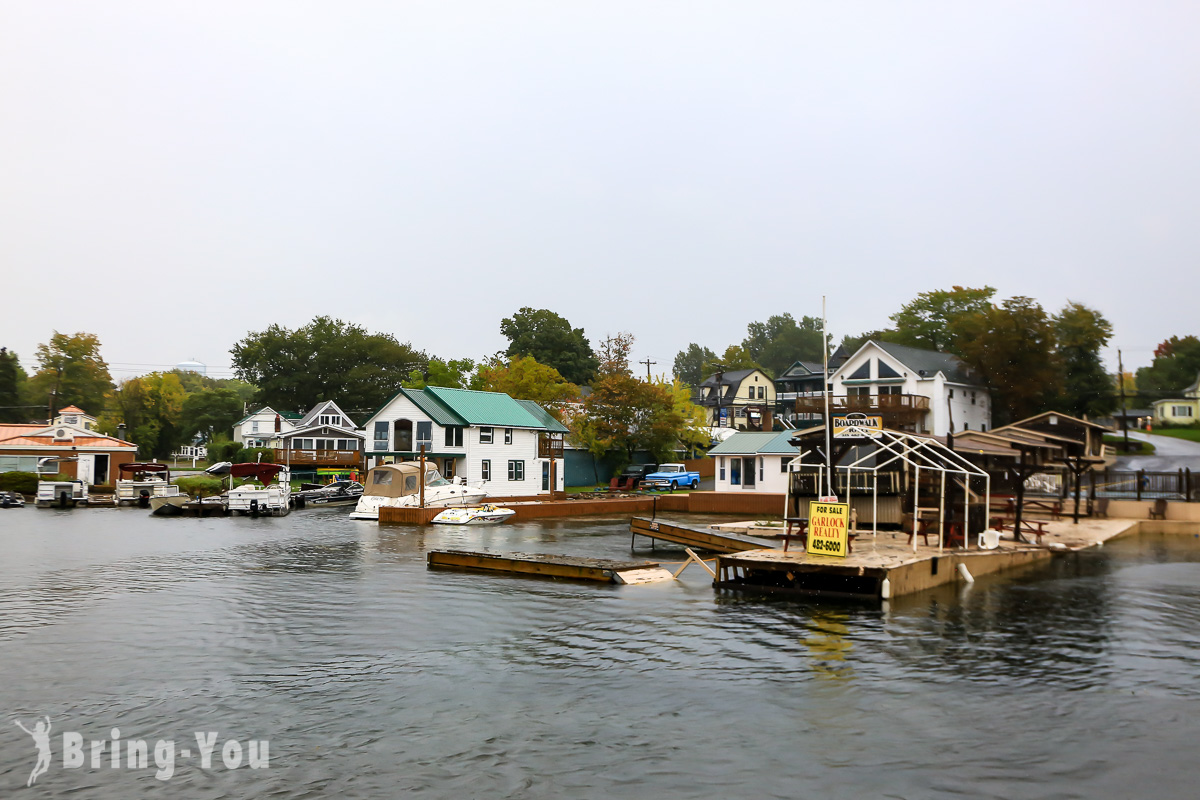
x=740, y=399
x=1180, y=411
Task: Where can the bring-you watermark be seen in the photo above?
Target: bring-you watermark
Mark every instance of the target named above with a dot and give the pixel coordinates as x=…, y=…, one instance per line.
x=113, y=752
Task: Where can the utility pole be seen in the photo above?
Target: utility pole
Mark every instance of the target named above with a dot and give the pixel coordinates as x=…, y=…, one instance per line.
x=647, y=362
x=1121, y=384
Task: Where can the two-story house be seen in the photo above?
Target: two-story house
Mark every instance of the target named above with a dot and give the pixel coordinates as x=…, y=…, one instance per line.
x=260, y=427
x=921, y=391
x=742, y=399
x=324, y=438
x=512, y=447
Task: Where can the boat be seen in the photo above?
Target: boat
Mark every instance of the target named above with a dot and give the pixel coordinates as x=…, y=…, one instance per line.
x=397, y=486
x=12, y=500
x=338, y=493
x=474, y=515
x=268, y=491
x=167, y=505
x=138, y=482
x=53, y=493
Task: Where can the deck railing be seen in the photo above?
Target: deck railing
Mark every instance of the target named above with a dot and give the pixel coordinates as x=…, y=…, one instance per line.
x=318, y=457
x=911, y=403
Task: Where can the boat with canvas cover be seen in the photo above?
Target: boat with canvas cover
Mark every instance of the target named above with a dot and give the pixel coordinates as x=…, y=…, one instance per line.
x=138, y=482
x=475, y=515
x=267, y=492
x=398, y=486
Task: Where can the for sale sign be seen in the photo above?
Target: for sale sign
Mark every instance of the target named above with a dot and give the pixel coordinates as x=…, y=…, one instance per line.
x=828, y=526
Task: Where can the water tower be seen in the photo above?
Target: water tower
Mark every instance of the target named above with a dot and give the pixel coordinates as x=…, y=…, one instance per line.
x=192, y=366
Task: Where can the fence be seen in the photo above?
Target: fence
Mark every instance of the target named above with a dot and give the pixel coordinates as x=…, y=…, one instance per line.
x=1139, y=485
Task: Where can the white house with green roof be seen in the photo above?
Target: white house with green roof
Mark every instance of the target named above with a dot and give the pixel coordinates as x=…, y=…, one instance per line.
x=755, y=462
x=486, y=438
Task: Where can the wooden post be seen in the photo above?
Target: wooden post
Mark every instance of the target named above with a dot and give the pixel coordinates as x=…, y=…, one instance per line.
x=421, y=479
x=1187, y=485
x=1140, y=474
x=1021, y=475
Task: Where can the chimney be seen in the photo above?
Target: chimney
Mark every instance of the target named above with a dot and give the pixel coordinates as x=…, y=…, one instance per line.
x=121, y=431
x=278, y=423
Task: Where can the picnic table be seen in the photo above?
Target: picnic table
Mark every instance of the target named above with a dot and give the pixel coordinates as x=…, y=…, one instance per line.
x=1036, y=527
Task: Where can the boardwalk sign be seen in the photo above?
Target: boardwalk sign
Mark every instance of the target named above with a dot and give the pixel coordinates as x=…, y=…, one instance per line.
x=857, y=426
x=828, y=526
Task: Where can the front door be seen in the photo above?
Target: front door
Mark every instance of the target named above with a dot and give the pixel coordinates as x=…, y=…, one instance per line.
x=447, y=468
x=100, y=471
x=749, y=473
x=545, y=476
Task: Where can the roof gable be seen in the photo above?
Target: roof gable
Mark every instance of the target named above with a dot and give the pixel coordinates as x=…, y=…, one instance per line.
x=321, y=408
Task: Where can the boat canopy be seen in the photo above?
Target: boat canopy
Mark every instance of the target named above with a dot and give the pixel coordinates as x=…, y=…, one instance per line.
x=400, y=480
x=144, y=467
x=263, y=473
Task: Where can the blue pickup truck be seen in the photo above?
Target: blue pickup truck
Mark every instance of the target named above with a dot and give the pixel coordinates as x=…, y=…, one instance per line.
x=671, y=477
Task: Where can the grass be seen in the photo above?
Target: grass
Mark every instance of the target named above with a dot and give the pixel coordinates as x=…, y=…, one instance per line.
x=1135, y=445
x=1191, y=434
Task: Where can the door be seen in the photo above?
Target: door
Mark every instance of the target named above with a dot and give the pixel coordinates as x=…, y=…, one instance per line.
x=749, y=473
x=404, y=437
x=100, y=471
x=85, y=468
x=545, y=476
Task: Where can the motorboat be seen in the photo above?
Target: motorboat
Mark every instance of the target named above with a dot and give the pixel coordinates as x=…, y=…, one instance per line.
x=338, y=493
x=12, y=500
x=138, y=482
x=474, y=515
x=267, y=491
x=55, y=493
x=167, y=505
x=399, y=486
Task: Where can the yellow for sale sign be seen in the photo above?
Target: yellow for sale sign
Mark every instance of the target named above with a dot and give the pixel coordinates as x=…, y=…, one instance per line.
x=828, y=525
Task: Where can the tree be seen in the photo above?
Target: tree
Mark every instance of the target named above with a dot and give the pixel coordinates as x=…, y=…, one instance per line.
x=453, y=374
x=852, y=343
x=549, y=339
x=734, y=357
x=1012, y=346
x=1087, y=388
x=210, y=412
x=928, y=321
x=327, y=359
x=689, y=364
x=780, y=341
x=71, y=371
x=151, y=407
x=12, y=381
x=526, y=379
x=1176, y=365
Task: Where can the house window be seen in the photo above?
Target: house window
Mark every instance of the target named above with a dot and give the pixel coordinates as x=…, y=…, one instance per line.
x=329, y=419
x=856, y=391
x=735, y=472
x=485, y=436
x=508, y=435
x=951, y=393
x=254, y=426
x=1181, y=411
x=721, y=464
x=404, y=435
x=381, y=436
x=448, y=468
x=516, y=470
x=760, y=468
x=454, y=436
x=783, y=463
x=889, y=390
x=425, y=435
x=485, y=468
x=762, y=393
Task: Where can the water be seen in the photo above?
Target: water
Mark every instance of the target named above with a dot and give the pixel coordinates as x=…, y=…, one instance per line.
x=373, y=677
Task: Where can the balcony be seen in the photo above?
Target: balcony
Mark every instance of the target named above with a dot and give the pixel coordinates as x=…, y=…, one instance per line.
x=899, y=405
x=318, y=458
x=550, y=445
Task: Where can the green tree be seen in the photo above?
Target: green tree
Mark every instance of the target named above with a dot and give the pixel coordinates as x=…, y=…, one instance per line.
x=327, y=359
x=12, y=381
x=151, y=406
x=1176, y=365
x=526, y=379
x=453, y=374
x=211, y=412
x=549, y=339
x=1087, y=388
x=928, y=321
x=852, y=343
x=1012, y=346
x=734, y=357
x=71, y=371
x=781, y=341
x=689, y=364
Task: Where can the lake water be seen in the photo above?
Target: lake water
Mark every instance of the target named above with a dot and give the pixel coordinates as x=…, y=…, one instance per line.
x=373, y=677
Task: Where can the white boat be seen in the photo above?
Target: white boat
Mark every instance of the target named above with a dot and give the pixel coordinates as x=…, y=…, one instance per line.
x=475, y=515
x=168, y=505
x=398, y=486
x=138, y=482
x=268, y=492
x=53, y=493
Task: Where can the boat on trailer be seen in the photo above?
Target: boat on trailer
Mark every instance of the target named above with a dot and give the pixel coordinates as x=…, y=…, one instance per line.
x=267, y=492
x=474, y=515
x=139, y=482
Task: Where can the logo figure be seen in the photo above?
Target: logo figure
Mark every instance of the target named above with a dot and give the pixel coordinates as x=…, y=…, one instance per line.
x=41, y=740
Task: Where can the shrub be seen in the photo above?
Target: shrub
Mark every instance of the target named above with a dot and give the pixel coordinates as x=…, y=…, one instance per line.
x=21, y=482
x=223, y=451
x=203, y=485
x=249, y=455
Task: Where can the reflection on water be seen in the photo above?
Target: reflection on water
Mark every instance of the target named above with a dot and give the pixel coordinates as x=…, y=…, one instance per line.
x=373, y=677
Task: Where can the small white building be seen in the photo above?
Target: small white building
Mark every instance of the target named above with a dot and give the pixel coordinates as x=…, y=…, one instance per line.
x=486, y=438
x=755, y=462
x=914, y=390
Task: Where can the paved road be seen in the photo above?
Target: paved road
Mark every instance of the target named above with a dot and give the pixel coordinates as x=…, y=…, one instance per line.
x=1171, y=454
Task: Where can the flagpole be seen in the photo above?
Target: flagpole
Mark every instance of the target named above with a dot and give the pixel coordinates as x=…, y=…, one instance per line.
x=828, y=421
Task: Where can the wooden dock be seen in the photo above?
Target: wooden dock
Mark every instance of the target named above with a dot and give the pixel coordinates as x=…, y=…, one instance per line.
x=550, y=566
x=708, y=540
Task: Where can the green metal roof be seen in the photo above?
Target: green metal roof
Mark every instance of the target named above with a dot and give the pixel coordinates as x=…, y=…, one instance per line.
x=485, y=408
x=438, y=412
x=751, y=442
x=542, y=415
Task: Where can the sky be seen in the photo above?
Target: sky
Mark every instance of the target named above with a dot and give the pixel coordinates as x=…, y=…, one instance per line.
x=176, y=175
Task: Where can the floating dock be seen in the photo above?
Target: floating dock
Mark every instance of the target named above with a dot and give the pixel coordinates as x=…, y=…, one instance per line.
x=708, y=540
x=551, y=566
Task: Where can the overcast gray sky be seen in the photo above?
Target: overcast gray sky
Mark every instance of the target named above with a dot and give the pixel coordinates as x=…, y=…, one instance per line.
x=176, y=174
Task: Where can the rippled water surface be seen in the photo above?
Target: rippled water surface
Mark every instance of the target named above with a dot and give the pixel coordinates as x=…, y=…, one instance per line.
x=373, y=677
